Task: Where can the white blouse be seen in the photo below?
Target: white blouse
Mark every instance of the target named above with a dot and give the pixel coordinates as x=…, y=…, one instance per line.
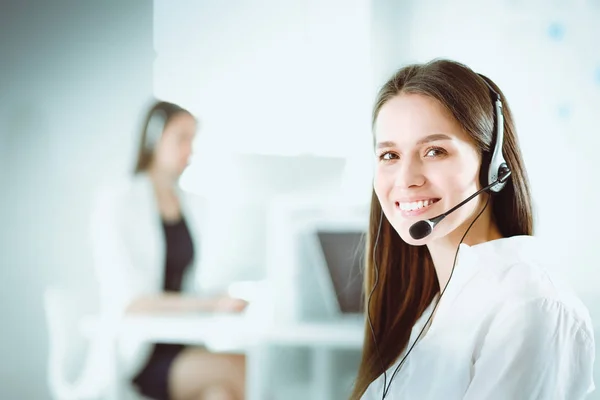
x=129, y=256
x=506, y=328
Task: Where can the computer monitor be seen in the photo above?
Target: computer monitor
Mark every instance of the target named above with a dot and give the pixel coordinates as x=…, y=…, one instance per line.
x=343, y=252
x=335, y=257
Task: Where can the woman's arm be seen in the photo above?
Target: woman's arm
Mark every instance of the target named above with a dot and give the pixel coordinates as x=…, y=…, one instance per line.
x=173, y=302
x=118, y=281
x=125, y=290
x=535, y=350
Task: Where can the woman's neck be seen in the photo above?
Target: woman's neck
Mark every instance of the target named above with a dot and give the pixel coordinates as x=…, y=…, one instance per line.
x=443, y=250
x=162, y=181
x=166, y=194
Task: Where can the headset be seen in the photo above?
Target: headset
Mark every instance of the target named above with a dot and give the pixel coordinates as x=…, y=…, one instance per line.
x=154, y=128
x=497, y=174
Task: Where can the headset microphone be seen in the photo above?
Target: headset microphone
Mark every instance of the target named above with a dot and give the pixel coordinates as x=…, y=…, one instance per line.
x=423, y=228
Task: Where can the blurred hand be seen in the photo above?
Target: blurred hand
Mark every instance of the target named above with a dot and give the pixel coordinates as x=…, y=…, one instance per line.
x=227, y=304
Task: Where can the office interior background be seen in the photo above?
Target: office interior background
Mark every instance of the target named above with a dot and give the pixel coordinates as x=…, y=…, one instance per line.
x=283, y=91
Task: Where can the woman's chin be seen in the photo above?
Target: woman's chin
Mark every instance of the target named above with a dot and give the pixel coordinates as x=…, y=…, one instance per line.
x=414, y=242
x=404, y=234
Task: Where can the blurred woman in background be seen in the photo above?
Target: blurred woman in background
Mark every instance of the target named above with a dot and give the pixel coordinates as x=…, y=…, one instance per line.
x=146, y=250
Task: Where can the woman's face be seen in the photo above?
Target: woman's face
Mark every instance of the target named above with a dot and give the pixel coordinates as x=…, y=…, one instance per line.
x=174, y=148
x=425, y=165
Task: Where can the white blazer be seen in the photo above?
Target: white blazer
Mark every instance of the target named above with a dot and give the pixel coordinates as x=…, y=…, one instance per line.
x=129, y=256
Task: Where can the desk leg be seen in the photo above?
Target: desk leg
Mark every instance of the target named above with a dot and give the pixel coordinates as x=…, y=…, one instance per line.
x=323, y=373
x=115, y=391
x=257, y=372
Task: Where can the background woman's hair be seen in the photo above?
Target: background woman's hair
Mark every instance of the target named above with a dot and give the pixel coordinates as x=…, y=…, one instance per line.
x=158, y=116
x=407, y=277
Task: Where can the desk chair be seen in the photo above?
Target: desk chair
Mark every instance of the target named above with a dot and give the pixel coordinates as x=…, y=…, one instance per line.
x=61, y=321
x=64, y=325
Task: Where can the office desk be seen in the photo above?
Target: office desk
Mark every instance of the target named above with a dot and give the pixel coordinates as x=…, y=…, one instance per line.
x=211, y=330
x=256, y=339
x=322, y=338
x=218, y=332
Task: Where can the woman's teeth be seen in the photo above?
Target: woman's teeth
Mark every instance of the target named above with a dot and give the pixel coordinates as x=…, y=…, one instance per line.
x=416, y=205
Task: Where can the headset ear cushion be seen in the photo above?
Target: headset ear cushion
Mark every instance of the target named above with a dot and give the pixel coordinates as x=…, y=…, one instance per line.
x=155, y=128
x=486, y=160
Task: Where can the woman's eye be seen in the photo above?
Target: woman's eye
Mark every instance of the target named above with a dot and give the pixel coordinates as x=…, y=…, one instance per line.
x=435, y=152
x=387, y=156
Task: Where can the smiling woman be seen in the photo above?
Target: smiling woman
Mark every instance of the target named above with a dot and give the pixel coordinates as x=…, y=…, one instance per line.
x=469, y=310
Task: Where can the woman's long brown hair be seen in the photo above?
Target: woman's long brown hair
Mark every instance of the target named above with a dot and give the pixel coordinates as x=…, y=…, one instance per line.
x=407, y=281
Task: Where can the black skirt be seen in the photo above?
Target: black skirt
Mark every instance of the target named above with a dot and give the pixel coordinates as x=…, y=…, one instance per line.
x=153, y=379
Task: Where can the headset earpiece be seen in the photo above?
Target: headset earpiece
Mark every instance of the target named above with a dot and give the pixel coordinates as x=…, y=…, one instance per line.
x=155, y=128
x=498, y=169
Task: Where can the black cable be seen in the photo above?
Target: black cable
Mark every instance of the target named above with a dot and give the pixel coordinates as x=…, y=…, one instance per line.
x=385, y=391
x=371, y=295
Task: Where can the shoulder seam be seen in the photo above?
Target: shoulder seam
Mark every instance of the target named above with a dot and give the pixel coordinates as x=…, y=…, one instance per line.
x=579, y=323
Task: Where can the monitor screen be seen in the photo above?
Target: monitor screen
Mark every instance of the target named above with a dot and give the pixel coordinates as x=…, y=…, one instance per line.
x=343, y=252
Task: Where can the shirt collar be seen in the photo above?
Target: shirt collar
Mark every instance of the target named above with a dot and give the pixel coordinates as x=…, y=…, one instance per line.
x=500, y=252
x=494, y=253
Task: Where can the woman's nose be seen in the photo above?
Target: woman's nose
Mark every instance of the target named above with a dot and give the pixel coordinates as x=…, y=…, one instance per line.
x=409, y=174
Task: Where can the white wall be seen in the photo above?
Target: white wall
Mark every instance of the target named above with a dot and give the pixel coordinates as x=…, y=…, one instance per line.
x=73, y=78
x=267, y=78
